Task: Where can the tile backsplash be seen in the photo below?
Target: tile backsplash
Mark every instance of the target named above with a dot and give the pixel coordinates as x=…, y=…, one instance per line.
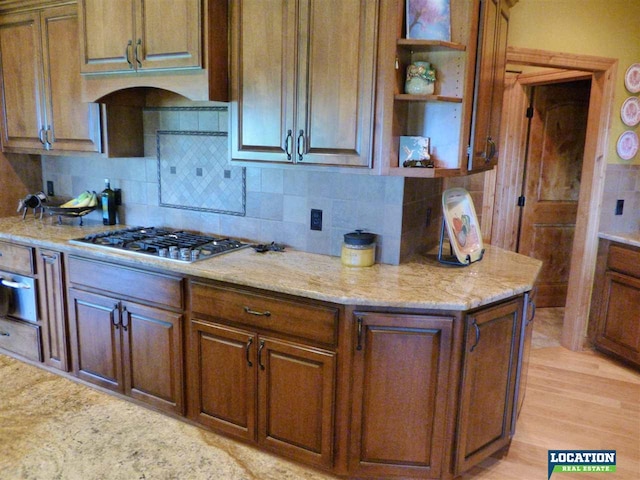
x=278, y=199
x=622, y=182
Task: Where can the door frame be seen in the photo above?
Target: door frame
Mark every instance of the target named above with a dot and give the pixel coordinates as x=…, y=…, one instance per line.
x=566, y=67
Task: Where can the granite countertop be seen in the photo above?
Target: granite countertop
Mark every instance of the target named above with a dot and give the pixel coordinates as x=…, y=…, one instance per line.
x=632, y=239
x=420, y=283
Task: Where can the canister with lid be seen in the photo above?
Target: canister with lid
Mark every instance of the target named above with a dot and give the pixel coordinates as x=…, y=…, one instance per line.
x=359, y=249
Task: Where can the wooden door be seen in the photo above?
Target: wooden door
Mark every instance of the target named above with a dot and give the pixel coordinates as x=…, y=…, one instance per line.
x=262, y=90
x=223, y=379
x=22, y=77
x=72, y=125
x=489, y=87
x=152, y=355
x=400, y=387
x=488, y=383
x=552, y=184
x=95, y=339
x=335, y=92
x=168, y=34
x=52, y=310
x=296, y=398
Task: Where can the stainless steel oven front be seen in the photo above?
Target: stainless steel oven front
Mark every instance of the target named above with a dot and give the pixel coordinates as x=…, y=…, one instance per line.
x=18, y=298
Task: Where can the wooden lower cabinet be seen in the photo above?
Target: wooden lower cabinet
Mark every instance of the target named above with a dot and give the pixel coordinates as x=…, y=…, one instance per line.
x=277, y=393
x=52, y=309
x=615, y=304
x=400, y=390
x=128, y=347
x=488, y=384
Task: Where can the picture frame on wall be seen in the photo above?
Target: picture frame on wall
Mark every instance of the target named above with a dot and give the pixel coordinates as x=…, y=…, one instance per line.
x=428, y=19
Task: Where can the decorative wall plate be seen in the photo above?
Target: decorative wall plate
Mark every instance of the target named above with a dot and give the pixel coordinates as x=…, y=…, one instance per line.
x=632, y=78
x=630, y=111
x=627, y=145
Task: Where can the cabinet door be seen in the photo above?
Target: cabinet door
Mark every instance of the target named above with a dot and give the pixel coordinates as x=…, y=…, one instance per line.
x=106, y=35
x=52, y=311
x=222, y=387
x=168, y=34
x=488, y=383
x=296, y=396
x=400, y=386
x=22, y=76
x=72, y=125
x=490, y=67
x=152, y=354
x=525, y=345
x=336, y=65
x=263, y=80
x=619, y=321
x=95, y=339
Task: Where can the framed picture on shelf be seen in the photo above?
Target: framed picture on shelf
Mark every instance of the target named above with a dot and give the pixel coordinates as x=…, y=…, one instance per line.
x=414, y=152
x=429, y=19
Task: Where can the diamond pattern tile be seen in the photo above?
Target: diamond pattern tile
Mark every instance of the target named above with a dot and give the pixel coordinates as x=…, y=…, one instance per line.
x=194, y=173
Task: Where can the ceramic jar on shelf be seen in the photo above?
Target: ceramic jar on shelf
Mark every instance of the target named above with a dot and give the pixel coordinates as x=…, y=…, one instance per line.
x=421, y=79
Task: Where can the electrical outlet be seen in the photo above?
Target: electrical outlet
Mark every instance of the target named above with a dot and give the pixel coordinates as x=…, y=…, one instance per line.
x=50, y=191
x=619, y=207
x=316, y=219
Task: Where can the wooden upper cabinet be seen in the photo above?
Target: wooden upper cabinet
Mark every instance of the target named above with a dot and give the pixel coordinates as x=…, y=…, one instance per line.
x=131, y=35
x=309, y=97
x=41, y=94
x=489, y=87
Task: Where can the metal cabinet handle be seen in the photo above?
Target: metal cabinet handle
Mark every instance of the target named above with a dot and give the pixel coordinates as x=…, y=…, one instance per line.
x=492, y=149
x=138, y=45
x=41, y=136
x=475, y=324
x=47, y=142
x=287, y=144
x=125, y=318
x=533, y=312
x=48, y=258
x=359, y=346
x=116, y=316
x=249, y=343
x=126, y=53
x=260, y=355
x=10, y=284
x=248, y=310
x=300, y=145
x=4, y=334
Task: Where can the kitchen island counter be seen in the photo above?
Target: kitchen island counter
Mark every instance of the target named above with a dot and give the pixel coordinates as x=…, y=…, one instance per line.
x=420, y=283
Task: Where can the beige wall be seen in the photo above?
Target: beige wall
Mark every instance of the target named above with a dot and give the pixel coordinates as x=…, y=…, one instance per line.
x=604, y=28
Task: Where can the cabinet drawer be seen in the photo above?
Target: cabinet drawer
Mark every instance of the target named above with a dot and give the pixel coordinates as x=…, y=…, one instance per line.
x=126, y=282
x=624, y=260
x=20, y=338
x=16, y=258
x=317, y=323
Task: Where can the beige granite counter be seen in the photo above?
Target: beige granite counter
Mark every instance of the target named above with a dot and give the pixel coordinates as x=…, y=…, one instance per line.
x=632, y=239
x=421, y=283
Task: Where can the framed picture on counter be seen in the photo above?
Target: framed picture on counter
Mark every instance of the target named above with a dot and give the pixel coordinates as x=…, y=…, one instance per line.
x=429, y=20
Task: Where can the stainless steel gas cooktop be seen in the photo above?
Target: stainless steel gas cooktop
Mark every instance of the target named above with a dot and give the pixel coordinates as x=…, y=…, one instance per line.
x=166, y=243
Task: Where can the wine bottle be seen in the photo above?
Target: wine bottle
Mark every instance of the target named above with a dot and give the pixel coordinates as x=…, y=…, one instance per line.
x=108, y=201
